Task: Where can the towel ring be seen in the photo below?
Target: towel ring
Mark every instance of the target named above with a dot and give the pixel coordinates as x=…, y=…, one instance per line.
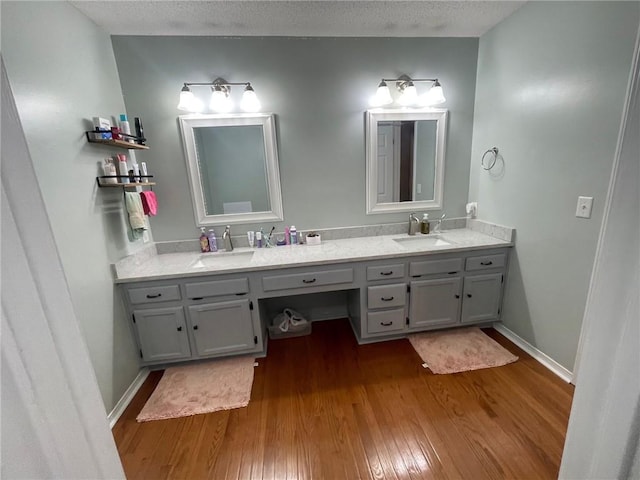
x=493, y=150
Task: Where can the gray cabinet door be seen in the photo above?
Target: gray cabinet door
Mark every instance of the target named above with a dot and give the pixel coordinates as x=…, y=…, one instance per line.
x=162, y=333
x=434, y=302
x=222, y=327
x=481, y=298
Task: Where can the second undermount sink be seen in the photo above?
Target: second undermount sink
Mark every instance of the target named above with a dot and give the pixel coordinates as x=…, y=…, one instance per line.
x=222, y=259
x=422, y=241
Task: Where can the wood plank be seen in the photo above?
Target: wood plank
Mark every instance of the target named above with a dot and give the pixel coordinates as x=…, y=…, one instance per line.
x=323, y=407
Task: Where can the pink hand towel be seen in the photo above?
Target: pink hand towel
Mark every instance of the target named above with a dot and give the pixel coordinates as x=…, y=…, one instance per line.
x=149, y=202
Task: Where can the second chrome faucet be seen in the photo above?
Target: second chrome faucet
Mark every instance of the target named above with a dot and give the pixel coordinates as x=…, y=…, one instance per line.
x=414, y=224
x=226, y=237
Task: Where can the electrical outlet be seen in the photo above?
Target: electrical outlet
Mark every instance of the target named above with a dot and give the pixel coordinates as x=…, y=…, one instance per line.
x=583, y=210
x=419, y=188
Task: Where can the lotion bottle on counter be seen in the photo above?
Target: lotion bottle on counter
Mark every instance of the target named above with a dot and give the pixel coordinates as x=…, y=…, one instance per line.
x=213, y=243
x=204, y=241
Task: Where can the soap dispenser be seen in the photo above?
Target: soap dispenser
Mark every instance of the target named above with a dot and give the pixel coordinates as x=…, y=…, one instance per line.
x=204, y=241
x=213, y=243
x=424, y=224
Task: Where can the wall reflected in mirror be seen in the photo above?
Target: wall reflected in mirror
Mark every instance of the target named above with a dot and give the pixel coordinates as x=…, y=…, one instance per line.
x=232, y=163
x=405, y=159
x=233, y=171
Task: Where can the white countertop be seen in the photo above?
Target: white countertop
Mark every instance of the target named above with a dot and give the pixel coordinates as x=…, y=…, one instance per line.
x=143, y=267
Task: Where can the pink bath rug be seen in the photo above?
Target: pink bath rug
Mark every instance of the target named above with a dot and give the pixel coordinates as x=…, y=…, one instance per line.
x=200, y=388
x=460, y=350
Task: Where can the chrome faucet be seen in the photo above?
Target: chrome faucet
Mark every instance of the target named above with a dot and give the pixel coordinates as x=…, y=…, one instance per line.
x=414, y=224
x=438, y=226
x=226, y=237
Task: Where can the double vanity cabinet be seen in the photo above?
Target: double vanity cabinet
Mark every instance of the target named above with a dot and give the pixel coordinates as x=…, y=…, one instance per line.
x=190, y=315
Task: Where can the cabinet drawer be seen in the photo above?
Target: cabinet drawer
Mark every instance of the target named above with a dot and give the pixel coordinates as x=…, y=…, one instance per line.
x=386, y=296
x=311, y=279
x=236, y=286
x=162, y=293
x=486, y=261
x=430, y=267
x=385, y=271
x=385, y=321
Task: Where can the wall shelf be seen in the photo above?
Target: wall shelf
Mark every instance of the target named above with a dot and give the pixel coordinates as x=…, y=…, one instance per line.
x=124, y=185
x=117, y=143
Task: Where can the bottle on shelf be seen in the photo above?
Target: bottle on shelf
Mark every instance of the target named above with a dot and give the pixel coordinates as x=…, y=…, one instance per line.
x=109, y=169
x=125, y=128
x=122, y=168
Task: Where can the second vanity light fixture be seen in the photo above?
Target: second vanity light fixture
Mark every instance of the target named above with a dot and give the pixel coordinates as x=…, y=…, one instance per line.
x=220, y=97
x=408, y=93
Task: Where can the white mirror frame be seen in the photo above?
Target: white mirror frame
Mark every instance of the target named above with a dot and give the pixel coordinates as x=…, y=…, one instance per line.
x=267, y=121
x=376, y=115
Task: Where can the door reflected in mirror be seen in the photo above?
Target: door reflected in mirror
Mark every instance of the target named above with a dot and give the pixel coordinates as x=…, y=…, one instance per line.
x=233, y=168
x=405, y=159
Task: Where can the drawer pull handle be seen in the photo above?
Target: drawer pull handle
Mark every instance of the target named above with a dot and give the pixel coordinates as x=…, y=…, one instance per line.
x=313, y=280
x=388, y=324
x=452, y=273
x=469, y=295
x=486, y=263
x=386, y=299
x=387, y=273
x=179, y=329
x=154, y=296
x=195, y=327
x=197, y=298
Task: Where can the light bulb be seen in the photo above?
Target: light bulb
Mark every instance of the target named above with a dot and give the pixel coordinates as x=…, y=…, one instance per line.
x=409, y=95
x=188, y=102
x=435, y=96
x=382, y=96
x=249, y=102
x=220, y=101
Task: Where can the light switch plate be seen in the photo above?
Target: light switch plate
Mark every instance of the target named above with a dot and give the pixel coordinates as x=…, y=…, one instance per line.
x=583, y=210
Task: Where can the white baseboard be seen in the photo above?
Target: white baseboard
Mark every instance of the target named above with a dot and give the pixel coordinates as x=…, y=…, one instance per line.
x=126, y=398
x=541, y=357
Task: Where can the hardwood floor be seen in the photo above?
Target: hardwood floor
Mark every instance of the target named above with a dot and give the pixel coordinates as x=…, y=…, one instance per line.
x=323, y=407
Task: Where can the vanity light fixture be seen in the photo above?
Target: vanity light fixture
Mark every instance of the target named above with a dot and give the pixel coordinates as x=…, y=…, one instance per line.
x=220, y=97
x=408, y=93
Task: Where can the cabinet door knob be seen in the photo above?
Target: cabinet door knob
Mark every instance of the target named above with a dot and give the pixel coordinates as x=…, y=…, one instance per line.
x=386, y=299
x=195, y=327
x=469, y=295
x=179, y=329
x=457, y=296
x=309, y=281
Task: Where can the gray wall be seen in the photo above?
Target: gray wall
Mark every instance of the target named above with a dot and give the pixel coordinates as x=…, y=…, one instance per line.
x=550, y=90
x=319, y=90
x=603, y=437
x=62, y=72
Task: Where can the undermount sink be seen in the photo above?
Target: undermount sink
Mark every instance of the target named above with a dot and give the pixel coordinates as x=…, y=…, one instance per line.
x=221, y=258
x=422, y=241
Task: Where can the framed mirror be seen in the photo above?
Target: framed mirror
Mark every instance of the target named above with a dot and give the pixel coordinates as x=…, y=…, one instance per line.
x=405, y=154
x=232, y=162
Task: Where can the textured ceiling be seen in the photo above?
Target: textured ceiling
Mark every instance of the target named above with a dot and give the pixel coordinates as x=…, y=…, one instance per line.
x=418, y=18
